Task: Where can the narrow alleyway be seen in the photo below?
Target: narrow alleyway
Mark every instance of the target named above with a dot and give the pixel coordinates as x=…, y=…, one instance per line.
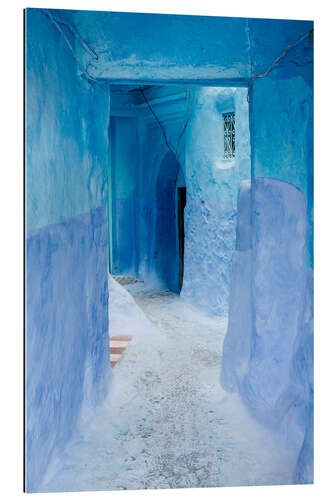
x=167, y=423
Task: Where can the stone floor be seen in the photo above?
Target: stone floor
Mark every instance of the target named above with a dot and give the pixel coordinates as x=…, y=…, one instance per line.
x=167, y=423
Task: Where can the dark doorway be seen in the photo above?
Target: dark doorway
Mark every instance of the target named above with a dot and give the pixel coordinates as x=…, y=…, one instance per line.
x=166, y=245
x=181, y=207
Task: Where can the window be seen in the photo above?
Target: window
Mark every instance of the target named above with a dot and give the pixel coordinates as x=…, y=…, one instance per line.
x=229, y=135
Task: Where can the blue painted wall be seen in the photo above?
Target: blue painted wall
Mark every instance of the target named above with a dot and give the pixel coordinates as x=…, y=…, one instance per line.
x=66, y=128
x=282, y=110
x=268, y=349
x=164, y=47
x=157, y=176
x=212, y=186
x=67, y=362
x=67, y=358
x=166, y=244
x=123, y=165
x=281, y=117
x=145, y=173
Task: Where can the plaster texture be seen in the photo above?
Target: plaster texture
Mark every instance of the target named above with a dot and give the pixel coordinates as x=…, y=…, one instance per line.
x=67, y=366
x=68, y=372
x=269, y=335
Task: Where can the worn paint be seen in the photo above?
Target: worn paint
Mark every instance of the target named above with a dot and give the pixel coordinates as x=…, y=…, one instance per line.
x=67, y=363
x=268, y=350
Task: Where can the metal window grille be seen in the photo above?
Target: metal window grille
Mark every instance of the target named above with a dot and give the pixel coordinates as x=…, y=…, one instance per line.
x=229, y=135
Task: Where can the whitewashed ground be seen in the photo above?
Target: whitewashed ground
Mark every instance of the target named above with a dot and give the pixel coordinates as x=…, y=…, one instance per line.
x=167, y=423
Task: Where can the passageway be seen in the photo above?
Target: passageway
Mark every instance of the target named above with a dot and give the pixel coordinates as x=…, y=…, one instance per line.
x=167, y=422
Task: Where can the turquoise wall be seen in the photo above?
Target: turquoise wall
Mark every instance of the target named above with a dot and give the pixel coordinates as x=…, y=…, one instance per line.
x=67, y=367
x=67, y=121
x=282, y=110
x=123, y=184
x=165, y=47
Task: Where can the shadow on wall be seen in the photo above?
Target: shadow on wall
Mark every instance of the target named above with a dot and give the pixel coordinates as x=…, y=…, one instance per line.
x=68, y=371
x=270, y=332
x=67, y=365
x=166, y=249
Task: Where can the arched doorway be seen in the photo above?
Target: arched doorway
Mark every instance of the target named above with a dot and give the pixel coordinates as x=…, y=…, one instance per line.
x=169, y=228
